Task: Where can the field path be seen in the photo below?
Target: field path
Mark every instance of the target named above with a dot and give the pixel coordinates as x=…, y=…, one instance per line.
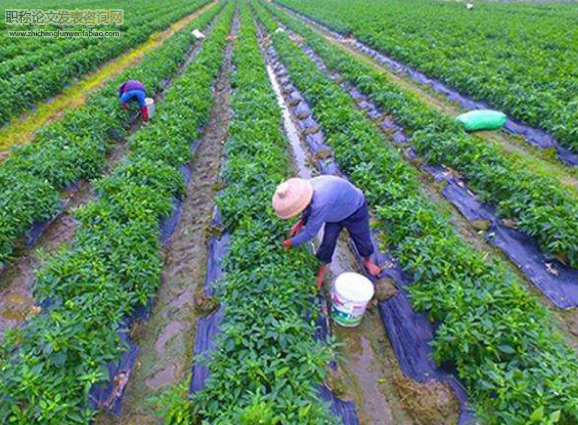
x=21, y=130
x=514, y=147
x=567, y=320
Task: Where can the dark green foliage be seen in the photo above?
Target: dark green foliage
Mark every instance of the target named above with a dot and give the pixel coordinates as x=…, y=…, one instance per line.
x=46, y=73
x=538, y=203
x=517, y=56
x=75, y=148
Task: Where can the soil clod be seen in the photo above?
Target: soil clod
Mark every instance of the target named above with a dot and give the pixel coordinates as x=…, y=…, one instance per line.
x=323, y=154
x=481, y=225
x=205, y=305
x=430, y=403
x=336, y=383
x=385, y=289
x=509, y=223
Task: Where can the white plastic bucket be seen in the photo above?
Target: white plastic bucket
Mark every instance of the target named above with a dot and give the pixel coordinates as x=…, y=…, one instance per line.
x=350, y=294
x=150, y=105
x=198, y=34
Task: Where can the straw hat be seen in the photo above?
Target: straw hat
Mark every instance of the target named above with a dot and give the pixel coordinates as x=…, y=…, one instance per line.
x=292, y=197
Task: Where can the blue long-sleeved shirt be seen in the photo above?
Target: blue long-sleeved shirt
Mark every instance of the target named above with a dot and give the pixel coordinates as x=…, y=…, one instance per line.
x=334, y=199
x=131, y=85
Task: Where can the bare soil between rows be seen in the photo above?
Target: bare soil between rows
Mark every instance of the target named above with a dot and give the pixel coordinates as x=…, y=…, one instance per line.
x=566, y=320
x=21, y=130
x=513, y=146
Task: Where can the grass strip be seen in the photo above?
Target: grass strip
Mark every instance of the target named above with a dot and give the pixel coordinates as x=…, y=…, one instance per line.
x=517, y=57
x=22, y=91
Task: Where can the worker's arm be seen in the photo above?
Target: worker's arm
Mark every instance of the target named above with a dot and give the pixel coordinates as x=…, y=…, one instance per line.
x=314, y=223
x=296, y=228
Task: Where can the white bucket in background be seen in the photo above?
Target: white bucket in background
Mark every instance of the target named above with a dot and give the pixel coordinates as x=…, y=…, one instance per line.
x=198, y=34
x=350, y=294
x=150, y=105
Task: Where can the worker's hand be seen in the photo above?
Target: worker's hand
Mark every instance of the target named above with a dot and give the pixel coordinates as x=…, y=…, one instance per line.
x=296, y=228
x=124, y=105
x=145, y=113
x=287, y=243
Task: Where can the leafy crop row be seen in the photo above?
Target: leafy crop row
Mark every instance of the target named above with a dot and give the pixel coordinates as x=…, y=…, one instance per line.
x=75, y=147
x=136, y=14
x=112, y=266
x=267, y=365
x=539, y=204
x=517, y=57
x=19, y=48
x=514, y=362
x=21, y=92
x=13, y=48
x=27, y=62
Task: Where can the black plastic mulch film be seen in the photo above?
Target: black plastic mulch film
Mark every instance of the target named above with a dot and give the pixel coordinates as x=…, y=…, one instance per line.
x=109, y=395
x=410, y=333
x=535, y=136
x=208, y=327
x=557, y=281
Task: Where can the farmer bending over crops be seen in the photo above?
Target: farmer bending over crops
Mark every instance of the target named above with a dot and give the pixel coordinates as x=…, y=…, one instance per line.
x=331, y=201
x=134, y=90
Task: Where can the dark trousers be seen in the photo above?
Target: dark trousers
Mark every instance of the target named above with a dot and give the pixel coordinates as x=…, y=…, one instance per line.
x=357, y=224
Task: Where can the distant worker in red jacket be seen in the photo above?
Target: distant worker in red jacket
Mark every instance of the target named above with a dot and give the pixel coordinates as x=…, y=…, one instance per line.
x=328, y=200
x=134, y=90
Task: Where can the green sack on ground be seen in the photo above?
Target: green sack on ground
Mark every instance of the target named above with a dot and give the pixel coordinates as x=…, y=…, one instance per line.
x=483, y=119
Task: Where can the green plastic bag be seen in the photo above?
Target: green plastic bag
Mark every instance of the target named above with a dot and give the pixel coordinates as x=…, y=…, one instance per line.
x=483, y=119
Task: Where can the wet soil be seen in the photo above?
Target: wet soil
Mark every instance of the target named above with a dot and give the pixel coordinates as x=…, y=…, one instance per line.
x=366, y=359
x=366, y=356
x=16, y=281
x=16, y=301
x=512, y=146
x=166, y=338
x=21, y=130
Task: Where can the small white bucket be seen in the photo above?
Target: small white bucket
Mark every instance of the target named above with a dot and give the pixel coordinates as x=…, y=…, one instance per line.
x=150, y=105
x=350, y=294
x=198, y=34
